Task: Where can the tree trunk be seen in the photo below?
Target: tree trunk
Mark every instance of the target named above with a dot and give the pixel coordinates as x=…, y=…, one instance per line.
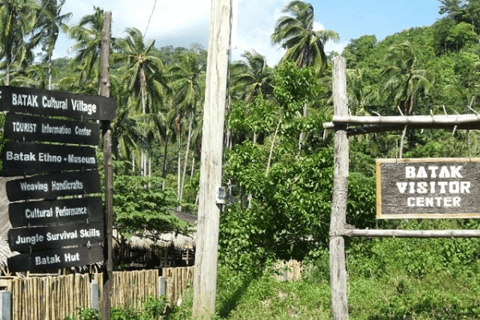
x=50, y=72
x=193, y=167
x=189, y=138
x=7, y=81
x=300, y=139
x=179, y=170
x=143, y=92
x=271, y=148
x=164, y=168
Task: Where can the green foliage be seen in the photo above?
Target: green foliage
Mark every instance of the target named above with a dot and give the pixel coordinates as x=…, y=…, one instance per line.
x=151, y=309
x=142, y=208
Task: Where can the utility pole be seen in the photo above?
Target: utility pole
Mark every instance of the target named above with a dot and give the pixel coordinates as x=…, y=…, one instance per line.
x=104, y=90
x=205, y=279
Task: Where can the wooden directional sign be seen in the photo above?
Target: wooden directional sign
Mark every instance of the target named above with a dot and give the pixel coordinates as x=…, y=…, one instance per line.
x=41, y=238
x=55, y=259
x=54, y=185
x=428, y=188
x=19, y=127
x=47, y=213
x=29, y=158
x=45, y=102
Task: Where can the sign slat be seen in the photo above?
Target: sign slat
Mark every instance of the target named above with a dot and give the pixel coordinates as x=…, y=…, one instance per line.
x=18, y=127
x=54, y=185
x=44, y=213
x=428, y=188
x=30, y=158
x=45, y=102
x=41, y=238
x=54, y=259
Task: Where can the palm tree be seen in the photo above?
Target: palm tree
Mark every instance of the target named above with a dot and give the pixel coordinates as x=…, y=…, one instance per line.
x=48, y=30
x=188, y=81
x=252, y=77
x=305, y=46
x=17, y=18
x=295, y=33
x=88, y=33
x=141, y=68
x=405, y=81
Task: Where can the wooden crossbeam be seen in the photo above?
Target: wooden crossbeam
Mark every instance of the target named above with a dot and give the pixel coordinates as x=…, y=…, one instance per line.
x=370, y=233
x=400, y=121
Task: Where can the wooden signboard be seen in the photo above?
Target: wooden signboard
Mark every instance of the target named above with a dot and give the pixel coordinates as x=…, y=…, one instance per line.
x=54, y=185
x=54, y=259
x=45, y=102
x=29, y=158
x=47, y=213
x=41, y=238
x=428, y=188
x=19, y=127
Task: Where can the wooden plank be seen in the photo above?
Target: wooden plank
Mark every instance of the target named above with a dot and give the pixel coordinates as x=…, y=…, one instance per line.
x=45, y=213
x=412, y=233
x=338, y=273
x=405, y=120
x=32, y=158
x=28, y=128
x=58, y=258
x=428, y=188
x=41, y=238
x=54, y=185
x=46, y=102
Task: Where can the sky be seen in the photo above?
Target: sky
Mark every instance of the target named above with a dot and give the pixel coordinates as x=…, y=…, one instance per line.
x=183, y=22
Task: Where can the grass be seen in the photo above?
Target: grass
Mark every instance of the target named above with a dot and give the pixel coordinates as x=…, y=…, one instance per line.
x=395, y=294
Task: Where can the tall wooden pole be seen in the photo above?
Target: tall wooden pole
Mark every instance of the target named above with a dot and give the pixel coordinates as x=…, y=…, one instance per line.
x=205, y=280
x=107, y=152
x=338, y=273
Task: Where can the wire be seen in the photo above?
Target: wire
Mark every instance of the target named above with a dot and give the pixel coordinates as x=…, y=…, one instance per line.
x=150, y=19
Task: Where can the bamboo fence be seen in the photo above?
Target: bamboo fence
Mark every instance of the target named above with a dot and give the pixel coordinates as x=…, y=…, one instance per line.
x=289, y=270
x=178, y=281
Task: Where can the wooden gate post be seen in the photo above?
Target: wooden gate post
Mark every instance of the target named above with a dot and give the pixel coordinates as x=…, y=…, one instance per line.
x=338, y=273
x=104, y=90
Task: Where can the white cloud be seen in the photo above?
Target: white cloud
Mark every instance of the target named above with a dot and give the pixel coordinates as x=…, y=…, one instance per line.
x=317, y=26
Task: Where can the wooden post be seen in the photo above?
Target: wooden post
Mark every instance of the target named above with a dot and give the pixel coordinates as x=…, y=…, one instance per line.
x=94, y=295
x=162, y=286
x=6, y=305
x=108, y=165
x=338, y=274
x=204, y=288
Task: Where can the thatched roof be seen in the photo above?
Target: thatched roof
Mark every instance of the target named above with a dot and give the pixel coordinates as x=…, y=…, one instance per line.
x=178, y=241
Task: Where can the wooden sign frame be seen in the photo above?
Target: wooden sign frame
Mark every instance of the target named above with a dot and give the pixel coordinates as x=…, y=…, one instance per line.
x=54, y=103
x=32, y=158
x=428, y=188
x=54, y=185
x=50, y=237
x=29, y=128
x=57, y=258
x=55, y=212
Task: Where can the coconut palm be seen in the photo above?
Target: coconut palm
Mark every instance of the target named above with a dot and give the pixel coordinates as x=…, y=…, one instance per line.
x=295, y=33
x=252, y=77
x=405, y=80
x=188, y=81
x=48, y=29
x=144, y=75
x=88, y=33
x=17, y=19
